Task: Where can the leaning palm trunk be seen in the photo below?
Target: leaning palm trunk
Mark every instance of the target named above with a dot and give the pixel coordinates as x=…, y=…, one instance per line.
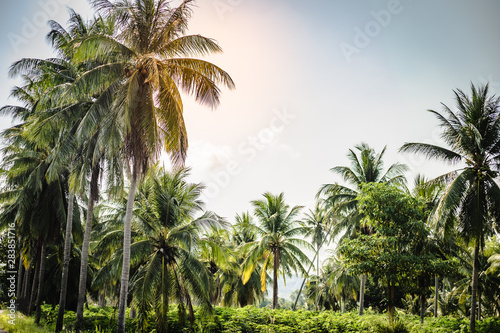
x=40, y=284
x=275, y=279
x=126, y=254
x=474, y=288
x=66, y=259
x=82, y=286
x=362, y=294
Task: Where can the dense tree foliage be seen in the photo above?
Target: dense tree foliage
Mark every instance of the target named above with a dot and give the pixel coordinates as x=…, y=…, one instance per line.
x=81, y=185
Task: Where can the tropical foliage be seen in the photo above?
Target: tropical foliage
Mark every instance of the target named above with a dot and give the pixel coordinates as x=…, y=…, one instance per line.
x=101, y=223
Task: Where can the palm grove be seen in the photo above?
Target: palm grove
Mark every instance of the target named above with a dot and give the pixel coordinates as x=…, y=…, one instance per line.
x=94, y=211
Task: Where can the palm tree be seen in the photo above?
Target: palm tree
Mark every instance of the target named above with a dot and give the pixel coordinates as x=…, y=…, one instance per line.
x=165, y=247
x=343, y=283
x=277, y=248
x=148, y=63
x=234, y=291
x=429, y=192
x=471, y=200
x=315, y=224
x=366, y=167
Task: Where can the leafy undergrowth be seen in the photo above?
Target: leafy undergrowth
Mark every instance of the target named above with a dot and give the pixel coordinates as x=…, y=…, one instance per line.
x=255, y=320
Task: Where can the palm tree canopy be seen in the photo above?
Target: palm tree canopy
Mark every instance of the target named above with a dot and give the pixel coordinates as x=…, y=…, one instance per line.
x=367, y=166
x=149, y=62
x=471, y=199
x=278, y=230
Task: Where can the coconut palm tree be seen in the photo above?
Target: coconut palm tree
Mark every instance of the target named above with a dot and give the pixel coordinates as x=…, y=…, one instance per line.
x=148, y=64
x=343, y=283
x=278, y=247
x=471, y=199
x=234, y=291
x=366, y=167
x=165, y=246
x=315, y=223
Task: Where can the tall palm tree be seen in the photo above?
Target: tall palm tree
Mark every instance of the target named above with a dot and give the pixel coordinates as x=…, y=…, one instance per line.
x=471, y=200
x=278, y=246
x=366, y=167
x=148, y=64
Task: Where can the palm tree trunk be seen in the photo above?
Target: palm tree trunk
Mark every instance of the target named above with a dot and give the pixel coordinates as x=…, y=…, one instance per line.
x=102, y=298
x=66, y=259
x=478, y=303
x=33, y=287
x=26, y=281
x=436, y=295
x=40, y=284
x=390, y=294
x=422, y=308
x=343, y=300
x=82, y=285
x=20, y=273
x=275, y=279
x=317, y=261
x=362, y=294
x=475, y=269
x=126, y=254
x=24, y=294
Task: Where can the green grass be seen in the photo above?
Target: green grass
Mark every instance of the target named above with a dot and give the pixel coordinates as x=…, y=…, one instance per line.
x=22, y=324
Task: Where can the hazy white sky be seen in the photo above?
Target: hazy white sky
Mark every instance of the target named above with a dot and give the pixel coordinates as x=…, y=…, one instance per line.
x=313, y=79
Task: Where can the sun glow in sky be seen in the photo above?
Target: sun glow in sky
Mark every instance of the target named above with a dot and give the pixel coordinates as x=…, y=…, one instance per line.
x=313, y=78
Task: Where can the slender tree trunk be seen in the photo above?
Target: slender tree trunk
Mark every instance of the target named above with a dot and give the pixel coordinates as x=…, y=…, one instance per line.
x=219, y=290
x=40, y=285
x=390, y=294
x=33, y=287
x=190, y=307
x=362, y=294
x=20, y=273
x=422, y=308
x=26, y=281
x=317, y=261
x=25, y=294
x=132, y=312
x=102, y=299
x=82, y=285
x=475, y=269
x=126, y=254
x=66, y=259
x=275, y=279
x=479, y=303
x=343, y=301
x=436, y=295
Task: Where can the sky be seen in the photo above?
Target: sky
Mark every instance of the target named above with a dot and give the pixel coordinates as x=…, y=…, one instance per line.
x=313, y=79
